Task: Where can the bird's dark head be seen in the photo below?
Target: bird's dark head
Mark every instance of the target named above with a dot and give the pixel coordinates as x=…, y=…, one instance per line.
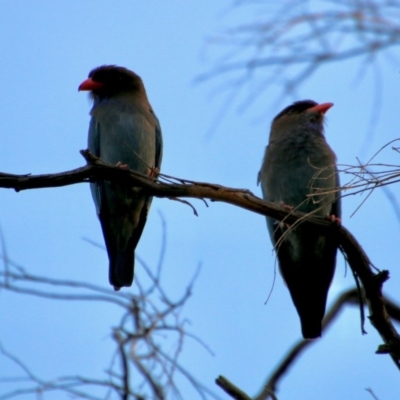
x=305, y=114
x=111, y=80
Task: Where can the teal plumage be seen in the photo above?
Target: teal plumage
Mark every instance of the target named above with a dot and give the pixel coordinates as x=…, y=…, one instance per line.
x=123, y=129
x=298, y=162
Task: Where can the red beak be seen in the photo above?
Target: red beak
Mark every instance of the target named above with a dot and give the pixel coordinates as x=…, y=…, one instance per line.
x=322, y=108
x=90, y=84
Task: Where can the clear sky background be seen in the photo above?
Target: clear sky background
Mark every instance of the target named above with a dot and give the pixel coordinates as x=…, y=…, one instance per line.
x=47, y=48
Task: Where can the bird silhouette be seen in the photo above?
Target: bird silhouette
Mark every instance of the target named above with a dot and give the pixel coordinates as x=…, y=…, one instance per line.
x=123, y=130
x=299, y=171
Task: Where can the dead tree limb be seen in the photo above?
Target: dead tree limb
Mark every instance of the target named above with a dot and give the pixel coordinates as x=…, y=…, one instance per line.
x=181, y=188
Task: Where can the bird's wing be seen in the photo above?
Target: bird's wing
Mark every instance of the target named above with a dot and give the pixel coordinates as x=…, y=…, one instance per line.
x=132, y=138
x=272, y=224
x=337, y=204
x=159, y=142
x=94, y=147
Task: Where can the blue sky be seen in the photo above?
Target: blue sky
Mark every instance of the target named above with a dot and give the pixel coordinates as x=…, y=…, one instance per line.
x=47, y=50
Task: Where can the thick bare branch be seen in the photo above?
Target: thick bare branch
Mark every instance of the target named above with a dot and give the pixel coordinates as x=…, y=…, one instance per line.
x=352, y=250
x=229, y=388
x=349, y=297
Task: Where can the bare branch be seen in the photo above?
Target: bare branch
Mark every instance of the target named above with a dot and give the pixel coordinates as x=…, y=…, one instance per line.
x=349, y=297
x=148, y=315
x=231, y=389
x=353, y=252
x=292, y=39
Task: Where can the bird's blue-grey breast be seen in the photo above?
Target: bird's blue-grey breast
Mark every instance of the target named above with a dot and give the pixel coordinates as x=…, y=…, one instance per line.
x=123, y=129
x=298, y=162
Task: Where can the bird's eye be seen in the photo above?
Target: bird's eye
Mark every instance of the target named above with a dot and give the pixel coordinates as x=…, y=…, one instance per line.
x=313, y=119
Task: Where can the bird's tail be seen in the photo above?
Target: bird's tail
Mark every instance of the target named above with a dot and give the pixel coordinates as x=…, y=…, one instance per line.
x=307, y=264
x=309, y=297
x=311, y=311
x=308, y=282
x=121, y=268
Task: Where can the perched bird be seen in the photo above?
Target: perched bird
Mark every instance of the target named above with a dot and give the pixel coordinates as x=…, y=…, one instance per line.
x=298, y=162
x=124, y=131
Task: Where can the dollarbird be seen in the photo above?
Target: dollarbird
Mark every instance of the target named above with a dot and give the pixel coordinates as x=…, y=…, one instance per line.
x=124, y=131
x=298, y=162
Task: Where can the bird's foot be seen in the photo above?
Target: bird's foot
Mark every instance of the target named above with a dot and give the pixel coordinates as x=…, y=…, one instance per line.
x=335, y=219
x=286, y=206
x=284, y=225
x=154, y=172
x=120, y=165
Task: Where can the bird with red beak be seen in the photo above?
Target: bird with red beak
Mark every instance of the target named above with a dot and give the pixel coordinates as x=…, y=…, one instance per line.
x=123, y=130
x=299, y=172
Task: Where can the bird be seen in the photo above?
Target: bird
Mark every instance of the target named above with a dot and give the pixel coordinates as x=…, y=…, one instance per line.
x=298, y=164
x=123, y=131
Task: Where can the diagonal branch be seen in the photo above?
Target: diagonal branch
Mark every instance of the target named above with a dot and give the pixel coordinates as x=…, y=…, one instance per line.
x=349, y=297
x=352, y=250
